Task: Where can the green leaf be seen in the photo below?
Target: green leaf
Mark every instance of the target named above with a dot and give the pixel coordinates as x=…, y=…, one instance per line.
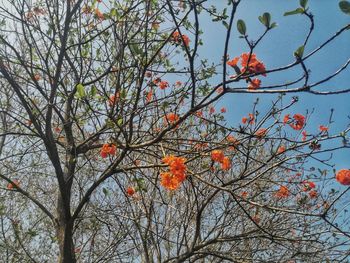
x=265, y=19
x=80, y=91
x=273, y=25
x=345, y=7
x=105, y=191
x=123, y=94
x=114, y=13
x=93, y=91
x=299, y=52
x=303, y=3
x=242, y=29
x=135, y=49
x=110, y=123
x=120, y=122
x=225, y=24
x=294, y=12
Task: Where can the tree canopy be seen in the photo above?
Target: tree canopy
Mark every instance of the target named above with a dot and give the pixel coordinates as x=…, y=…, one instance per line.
x=113, y=146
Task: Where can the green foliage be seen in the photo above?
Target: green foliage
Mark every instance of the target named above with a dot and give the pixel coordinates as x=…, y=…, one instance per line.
x=80, y=91
x=299, y=52
x=299, y=10
x=241, y=27
x=265, y=19
x=345, y=7
x=303, y=3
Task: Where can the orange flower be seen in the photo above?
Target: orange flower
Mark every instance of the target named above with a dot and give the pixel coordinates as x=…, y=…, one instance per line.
x=113, y=99
x=226, y=164
x=157, y=80
x=130, y=191
x=323, y=128
x=171, y=118
x=169, y=181
x=244, y=194
x=186, y=40
x=149, y=96
x=163, y=84
x=177, y=167
x=247, y=57
x=304, y=133
x=233, y=62
x=286, y=118
x=308, y=185
x=298, y=122
x=254, y=84
x=199, y=114
x=178, y=84
x=217, y=156
x=313, y=194
x=230, y=138
x=178, y=39
x=99, y=14
x=37, y=77
x=108, y=149
x=343, y=176
x=15, y=184
x=261, y=133
x=283, y=192
x=200, y=146
x=251, y=64
x=251, y=119
x=258, y=67
x=281, y=149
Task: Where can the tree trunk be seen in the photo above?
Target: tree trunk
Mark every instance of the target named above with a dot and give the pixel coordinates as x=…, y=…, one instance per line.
x=65, y=234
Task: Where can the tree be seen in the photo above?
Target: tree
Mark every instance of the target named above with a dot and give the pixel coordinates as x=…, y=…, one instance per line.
x=112, y=150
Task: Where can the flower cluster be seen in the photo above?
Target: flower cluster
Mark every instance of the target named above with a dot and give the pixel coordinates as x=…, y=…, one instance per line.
x=250, y=119
x=261, y=133
x=283, y=192
x=171, y=118
x=281, y=149
x=108, y=149
x=218, y=156
x=323, y=129
x=297, y=123
x=130, y=191
x=177, y=38
x=162, y=84
x=176, y=174
x=308, y=186
x=113, y=99
x=343, y=176
x=250, y=65
x=234, y=142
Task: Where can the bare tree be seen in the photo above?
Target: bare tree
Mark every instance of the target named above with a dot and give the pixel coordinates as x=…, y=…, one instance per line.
x=111, y=149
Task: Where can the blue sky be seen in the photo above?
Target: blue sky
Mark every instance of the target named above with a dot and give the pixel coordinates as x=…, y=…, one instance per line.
x=277, y=50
